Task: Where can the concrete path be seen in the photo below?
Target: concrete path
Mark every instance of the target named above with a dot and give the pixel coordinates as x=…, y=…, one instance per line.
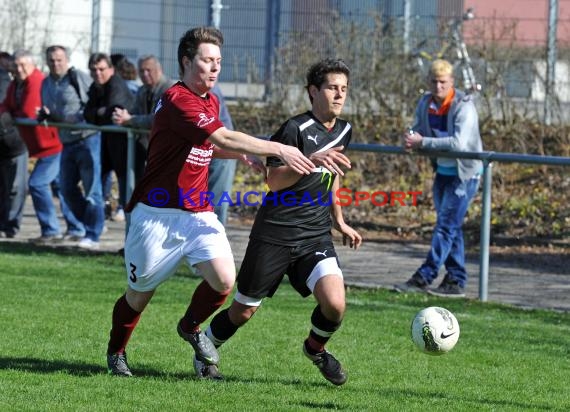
x=527, y=282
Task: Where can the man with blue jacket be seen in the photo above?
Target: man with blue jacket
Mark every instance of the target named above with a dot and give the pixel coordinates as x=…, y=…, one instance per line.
x=64, y=94
x=446, y=119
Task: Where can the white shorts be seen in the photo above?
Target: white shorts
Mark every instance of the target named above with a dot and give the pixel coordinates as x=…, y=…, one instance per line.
x=159, y=240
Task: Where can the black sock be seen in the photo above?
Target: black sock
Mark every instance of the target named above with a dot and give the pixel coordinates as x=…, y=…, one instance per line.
x=221, y=328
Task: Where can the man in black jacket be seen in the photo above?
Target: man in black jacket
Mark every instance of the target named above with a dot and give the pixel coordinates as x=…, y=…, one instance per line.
x=6, y=61
x=13, y=177
x=108, y=92
x=154, y=84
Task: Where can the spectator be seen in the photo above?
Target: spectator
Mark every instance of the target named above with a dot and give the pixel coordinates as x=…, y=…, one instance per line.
x=64, y=93
x=6, y=70
x=13, y=177
x=446, y=119
x=127, y=70
x=23, y=100
x=108, y=92
x=13, y=161
x=221, y=172
x=154, y=84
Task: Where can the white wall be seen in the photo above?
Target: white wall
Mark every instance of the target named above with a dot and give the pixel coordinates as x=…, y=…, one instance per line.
x=102, y=26
x=48, y=22
x=561, y=82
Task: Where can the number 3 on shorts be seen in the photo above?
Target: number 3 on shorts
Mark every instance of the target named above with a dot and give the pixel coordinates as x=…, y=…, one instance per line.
x=133, y=276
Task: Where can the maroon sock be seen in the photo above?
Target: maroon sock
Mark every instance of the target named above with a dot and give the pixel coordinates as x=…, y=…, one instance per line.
x=205, y=302
x=125, y=319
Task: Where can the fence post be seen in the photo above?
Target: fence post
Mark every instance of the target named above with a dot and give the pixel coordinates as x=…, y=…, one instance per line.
x=485, y=231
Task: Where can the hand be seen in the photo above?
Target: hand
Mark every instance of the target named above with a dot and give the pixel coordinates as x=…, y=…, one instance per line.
x=412, y=140
x=120, y=116
x=293, y=158
x=349, y=233
x=331, y=159
x=43, y=113
x=255, y=163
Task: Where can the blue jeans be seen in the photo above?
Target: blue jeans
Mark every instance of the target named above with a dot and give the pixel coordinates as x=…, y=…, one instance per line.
x=451, y=198
x=221, y=179
x=13, y=192
x=107, y=184
x=81, y=162
x=44, y=184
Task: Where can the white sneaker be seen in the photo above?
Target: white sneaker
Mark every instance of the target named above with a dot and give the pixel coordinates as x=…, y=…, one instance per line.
x=88, y=244
x=118, y=216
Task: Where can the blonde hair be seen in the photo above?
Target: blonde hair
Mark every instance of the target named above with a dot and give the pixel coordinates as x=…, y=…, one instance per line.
x=441, y=67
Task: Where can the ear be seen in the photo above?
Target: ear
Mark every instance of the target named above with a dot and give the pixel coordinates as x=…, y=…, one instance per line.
x=313, y=90
x=186, y=62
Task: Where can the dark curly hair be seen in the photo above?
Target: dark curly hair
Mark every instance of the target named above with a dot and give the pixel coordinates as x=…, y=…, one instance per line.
x=316, y=75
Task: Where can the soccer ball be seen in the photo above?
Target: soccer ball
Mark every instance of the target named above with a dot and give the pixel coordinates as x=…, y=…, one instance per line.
x=435, y=330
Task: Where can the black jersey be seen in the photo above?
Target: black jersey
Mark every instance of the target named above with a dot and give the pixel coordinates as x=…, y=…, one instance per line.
x=301, y=212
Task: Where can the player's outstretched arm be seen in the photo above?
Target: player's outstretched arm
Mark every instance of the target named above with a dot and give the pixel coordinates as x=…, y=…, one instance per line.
x=240, y=142
x=253, y=162
x=279, y=178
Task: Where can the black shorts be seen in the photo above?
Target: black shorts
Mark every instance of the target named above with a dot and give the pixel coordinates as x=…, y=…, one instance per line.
x=265, y=264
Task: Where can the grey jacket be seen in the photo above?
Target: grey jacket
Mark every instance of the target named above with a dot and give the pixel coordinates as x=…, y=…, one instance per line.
x=65, y=105
x=463, y=130
x=141, y=117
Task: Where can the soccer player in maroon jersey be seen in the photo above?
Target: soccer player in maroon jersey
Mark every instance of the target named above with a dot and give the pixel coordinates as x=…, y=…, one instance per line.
x=292, y=229
x=170, y=221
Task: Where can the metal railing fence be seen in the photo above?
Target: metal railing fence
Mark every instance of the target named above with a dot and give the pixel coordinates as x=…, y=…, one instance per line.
x=131, y=137
x=486, y=157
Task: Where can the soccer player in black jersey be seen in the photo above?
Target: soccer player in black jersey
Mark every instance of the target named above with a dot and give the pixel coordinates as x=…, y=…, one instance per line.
x=292, y=230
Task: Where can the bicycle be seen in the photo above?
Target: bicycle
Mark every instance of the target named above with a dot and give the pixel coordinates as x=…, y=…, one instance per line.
x=452, y=40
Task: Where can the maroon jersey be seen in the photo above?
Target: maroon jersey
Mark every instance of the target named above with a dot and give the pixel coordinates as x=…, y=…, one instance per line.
x=179, y=152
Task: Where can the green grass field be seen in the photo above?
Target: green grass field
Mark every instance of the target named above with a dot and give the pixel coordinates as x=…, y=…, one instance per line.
x=55, y=319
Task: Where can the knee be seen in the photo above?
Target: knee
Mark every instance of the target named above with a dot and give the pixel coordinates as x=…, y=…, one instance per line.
x=227, y=283
x=224, y=283
x=138, y=300
x=94, y=199
x=220, y=273
x=444, y=231
x=33, y=186
x=334, y=309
